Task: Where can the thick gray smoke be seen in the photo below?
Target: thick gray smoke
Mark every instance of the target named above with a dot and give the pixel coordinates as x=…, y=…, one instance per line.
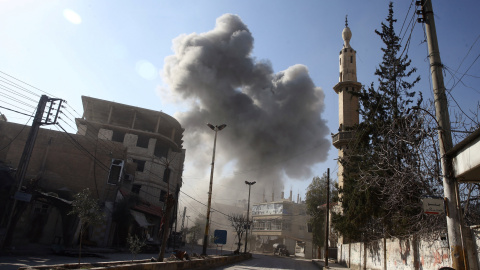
x=274, y=124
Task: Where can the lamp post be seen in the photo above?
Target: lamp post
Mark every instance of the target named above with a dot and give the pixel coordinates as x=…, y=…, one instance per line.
x=207, y=225
x=250, y=184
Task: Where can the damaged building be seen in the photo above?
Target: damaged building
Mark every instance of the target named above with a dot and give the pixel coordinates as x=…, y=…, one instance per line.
x=120, y=153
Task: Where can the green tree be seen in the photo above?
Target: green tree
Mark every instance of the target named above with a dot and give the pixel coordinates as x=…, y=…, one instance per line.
x=317, y=196
x=135, y=244
x=88, y=211
x=384, y=176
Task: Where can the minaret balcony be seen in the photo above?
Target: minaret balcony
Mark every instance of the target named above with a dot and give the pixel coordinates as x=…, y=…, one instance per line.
x=342, y=138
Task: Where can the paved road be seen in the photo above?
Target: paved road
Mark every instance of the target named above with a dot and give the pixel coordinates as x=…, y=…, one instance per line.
x=270, y=262
x=259, y=261
x=44, y=257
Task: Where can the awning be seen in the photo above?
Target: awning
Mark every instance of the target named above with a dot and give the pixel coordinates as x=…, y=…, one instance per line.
x=141, y=219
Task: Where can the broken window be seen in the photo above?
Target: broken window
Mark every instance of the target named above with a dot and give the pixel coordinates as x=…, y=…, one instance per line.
x=142, y=141
x=136, y=188
x=118, y=136
x=140, y=165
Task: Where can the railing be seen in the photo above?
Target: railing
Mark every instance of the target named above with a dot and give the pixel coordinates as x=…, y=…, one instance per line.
x=341, y=138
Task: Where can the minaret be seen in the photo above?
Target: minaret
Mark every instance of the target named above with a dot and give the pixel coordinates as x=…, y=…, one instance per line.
x=347, y=103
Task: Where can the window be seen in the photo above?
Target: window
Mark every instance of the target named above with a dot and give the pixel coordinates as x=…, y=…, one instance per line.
x=142, y=141
x=166, y=175
x=340, y=61
x=160, y=150
x=136, y=188
x=118, y=136
x=163, y=194
x=140, y=165
x=351, y=59
x=115, y=171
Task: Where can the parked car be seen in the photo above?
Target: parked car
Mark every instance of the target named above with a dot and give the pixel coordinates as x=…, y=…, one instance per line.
x=280, y=249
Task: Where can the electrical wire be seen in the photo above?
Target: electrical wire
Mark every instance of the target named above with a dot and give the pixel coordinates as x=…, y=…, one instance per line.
x=16, y=136
x=48, y=94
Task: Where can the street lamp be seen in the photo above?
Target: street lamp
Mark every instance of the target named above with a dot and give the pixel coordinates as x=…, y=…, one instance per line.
x=250, y=184
x=207, y=225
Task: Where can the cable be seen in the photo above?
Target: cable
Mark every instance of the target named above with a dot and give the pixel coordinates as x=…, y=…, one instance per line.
x=463, y=75
x=28, y=85
x=16, y=93
x=14, y=138
x=465, y=57
x=15, y=111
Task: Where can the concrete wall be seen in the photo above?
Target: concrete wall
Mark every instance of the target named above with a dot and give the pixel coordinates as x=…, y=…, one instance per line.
x=405, y=254
x=60, y=161
x=198, y=264
x=60, y=165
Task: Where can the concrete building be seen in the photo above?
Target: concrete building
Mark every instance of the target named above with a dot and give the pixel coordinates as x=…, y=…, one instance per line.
x=284, y=222
x=120, y=152
x=152, y=140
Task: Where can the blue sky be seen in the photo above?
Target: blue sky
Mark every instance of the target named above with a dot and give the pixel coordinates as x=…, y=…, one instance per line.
x=115, y=50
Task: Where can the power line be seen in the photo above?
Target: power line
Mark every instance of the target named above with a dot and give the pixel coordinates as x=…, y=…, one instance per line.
x=48, y=94
x=16, y=136
x=15, y=110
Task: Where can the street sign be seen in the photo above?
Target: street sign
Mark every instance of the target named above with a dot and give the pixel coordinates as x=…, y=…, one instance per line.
x=433, y=206
x=220, y=237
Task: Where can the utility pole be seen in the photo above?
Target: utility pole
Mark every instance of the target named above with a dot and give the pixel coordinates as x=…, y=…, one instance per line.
x=27, y=153
x=209, y=203
x=182, y=229
x=170, y=201
x=457, y=253
x=248, y=212
x=327, y=211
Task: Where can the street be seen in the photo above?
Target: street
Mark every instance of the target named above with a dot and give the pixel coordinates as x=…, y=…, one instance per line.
x=40, y=255
x=260, y=261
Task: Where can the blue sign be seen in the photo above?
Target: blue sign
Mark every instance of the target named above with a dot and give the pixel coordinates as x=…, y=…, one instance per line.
x=220, y=237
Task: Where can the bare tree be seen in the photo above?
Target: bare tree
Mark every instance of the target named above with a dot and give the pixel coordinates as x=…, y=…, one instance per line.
x=239, y=224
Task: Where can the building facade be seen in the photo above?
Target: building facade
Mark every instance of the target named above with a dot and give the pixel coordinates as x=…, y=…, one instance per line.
x=283, y=222
x=119, y=153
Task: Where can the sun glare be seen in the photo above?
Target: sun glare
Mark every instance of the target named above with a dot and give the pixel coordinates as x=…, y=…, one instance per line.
x=72, y=16
x=146, y=69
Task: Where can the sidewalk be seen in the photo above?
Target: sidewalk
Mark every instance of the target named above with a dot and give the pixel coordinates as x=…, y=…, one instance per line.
x=331, y=265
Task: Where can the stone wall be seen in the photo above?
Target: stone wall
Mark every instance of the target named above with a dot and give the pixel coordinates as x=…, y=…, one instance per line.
x=406, y=254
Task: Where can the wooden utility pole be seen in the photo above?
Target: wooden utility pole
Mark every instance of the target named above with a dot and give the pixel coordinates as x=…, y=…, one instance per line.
x=457, y=253
x=23, y=165
x=170, y=201
x=327, y=211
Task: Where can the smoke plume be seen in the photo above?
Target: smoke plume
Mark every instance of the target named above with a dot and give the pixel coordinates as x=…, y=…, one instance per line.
x=274, y=120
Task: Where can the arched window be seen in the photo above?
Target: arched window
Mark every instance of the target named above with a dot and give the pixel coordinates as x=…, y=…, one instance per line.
x=351, y=59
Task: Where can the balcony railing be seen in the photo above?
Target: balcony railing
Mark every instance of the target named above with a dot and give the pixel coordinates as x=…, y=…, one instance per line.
x=342, y=138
